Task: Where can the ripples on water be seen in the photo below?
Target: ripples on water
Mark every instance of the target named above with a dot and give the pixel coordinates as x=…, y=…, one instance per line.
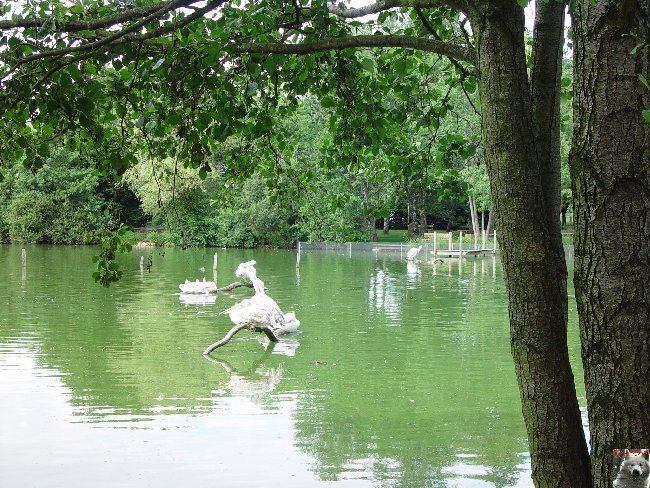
x=402, y=375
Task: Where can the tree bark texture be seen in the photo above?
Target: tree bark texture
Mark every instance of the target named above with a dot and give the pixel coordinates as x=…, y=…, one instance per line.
x=535, y=277
x=546, y=76
x=610, y=172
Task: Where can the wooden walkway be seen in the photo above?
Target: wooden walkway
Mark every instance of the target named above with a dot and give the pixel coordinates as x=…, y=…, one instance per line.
x=459, y=250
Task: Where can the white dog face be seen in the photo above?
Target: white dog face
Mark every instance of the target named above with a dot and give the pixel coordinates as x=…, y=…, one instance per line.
x=635, y=466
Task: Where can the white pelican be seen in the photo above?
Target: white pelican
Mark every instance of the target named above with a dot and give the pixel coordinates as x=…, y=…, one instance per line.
x=246, y=270
x=410, y=255
x=259, y=313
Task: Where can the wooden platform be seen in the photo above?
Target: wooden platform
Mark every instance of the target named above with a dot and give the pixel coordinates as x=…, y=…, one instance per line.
x=454, y=253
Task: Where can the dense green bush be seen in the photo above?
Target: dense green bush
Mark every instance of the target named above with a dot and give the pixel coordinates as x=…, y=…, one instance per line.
x=57, y=204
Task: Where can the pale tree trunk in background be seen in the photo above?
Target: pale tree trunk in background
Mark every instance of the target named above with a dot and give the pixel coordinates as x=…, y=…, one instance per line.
x=610, y=172
x=534, y=273
x=474, y=214
x=373, y=232
x=422, y=213
x=490, y=225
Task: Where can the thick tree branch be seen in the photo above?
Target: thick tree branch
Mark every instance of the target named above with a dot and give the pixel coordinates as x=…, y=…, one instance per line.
x=382, y=5
x=257, y=327
x=101, y=23
x=364, y=41
x=121, y=37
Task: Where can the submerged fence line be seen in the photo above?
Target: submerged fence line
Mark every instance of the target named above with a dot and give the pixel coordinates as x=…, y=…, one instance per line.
x=443, y=244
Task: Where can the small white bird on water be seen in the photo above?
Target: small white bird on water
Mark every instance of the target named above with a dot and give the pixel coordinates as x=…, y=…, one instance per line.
x=410, y=255
x=198, y=286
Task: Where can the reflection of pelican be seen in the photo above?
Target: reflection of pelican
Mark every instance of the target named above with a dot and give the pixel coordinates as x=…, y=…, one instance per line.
x=259, y=313
x=410, y=255
x=254, y=383
x=198, y=286
x=197, y=299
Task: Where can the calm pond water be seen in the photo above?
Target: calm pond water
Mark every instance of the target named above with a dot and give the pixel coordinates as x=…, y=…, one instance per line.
x=402, y=375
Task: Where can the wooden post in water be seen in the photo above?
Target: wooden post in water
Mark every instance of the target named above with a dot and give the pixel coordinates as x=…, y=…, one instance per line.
x=460, y=246
x=451, y=245
x=350, y=249
x=435, y=245
x=23, y=262
x=215, y=262
x=141, y=264
x=494, y=248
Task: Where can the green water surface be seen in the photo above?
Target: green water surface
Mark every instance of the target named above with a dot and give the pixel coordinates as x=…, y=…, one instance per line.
x=401, y=377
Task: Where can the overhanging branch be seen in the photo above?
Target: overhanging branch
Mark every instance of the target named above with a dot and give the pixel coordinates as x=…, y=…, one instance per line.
x=363, y=41
x=382, y=5
x=101, y=23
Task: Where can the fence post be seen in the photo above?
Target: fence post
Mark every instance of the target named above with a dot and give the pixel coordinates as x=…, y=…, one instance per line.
x=460, y=246
x=494, y=245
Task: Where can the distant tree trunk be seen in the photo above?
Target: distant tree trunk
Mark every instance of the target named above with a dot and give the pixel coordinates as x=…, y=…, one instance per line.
x=490, y=224
x=534, y=273
x=373, y=232
x=412, y=217
x=422, y=213
x=474, y=214
x=610, y=173
x=386, y=225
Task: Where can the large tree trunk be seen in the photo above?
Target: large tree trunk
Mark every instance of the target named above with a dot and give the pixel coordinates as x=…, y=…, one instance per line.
x=534, y=273
x=610, y=172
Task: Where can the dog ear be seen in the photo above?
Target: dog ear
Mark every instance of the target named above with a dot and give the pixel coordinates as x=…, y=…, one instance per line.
x=618, y=462
x=646, y=454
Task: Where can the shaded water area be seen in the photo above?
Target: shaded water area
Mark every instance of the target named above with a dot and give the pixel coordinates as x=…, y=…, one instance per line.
x=401, y=377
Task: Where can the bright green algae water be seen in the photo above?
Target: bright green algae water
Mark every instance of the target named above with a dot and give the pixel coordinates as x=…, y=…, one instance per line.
x=402, y=375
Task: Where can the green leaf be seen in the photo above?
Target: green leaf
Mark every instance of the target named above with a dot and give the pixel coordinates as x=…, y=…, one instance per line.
x=643, y=80
x=400, y=66
x=251, y=89
x=646, y=115
x=327, y=102
x=522, y=3
x=368, y=64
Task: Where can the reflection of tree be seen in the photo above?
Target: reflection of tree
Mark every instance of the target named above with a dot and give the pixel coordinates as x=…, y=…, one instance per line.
x=383, y=295
x=402, y=404
x=406, y=406
x=254, y=382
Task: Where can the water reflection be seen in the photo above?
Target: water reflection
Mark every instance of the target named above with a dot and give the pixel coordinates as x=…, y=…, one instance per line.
x=197, y=299
x=352, y=400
